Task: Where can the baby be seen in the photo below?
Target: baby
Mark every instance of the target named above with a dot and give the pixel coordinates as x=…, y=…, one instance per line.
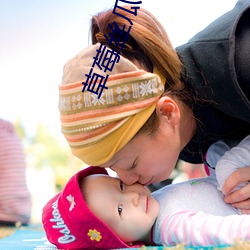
x=96, y=211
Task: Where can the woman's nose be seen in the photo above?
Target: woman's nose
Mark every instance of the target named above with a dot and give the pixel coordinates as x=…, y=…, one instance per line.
x=126, y=177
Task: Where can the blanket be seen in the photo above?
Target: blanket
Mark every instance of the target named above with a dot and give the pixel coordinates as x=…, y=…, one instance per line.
x=33, y=237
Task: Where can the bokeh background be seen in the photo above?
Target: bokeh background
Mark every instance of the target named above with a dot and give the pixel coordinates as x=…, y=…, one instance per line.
x=36, y=39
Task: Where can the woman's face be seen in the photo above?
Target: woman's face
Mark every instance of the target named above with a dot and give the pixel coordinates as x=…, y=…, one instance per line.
x=147, y=159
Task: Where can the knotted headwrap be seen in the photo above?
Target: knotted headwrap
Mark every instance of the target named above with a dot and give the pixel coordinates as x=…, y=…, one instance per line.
x=98, y=128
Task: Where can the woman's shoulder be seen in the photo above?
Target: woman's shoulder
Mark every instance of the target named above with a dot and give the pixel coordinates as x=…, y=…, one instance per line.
x=209, y=65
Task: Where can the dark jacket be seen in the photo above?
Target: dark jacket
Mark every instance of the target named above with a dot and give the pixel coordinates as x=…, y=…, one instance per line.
x=217, y=67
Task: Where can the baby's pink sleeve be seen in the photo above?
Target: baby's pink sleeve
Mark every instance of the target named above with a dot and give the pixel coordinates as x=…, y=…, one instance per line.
x=201, y=229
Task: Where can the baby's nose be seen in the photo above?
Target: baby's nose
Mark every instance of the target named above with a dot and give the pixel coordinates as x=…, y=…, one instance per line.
x=133, y=197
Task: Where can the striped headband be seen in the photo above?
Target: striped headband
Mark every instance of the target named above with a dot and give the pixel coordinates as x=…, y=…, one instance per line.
x=97, y=128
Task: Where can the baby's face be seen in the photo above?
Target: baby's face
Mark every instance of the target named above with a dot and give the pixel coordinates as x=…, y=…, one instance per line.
x=130, y=211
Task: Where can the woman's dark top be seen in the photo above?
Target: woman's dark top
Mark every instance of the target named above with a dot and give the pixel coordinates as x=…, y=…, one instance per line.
x=217, y=67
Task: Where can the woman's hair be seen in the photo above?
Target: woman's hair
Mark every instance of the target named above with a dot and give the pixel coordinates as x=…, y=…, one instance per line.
x=147, y=45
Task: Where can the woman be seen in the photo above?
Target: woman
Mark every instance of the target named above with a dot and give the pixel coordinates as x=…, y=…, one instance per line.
x=136, y=124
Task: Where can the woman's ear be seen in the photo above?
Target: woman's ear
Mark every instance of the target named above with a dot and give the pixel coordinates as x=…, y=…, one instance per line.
x=168, y=110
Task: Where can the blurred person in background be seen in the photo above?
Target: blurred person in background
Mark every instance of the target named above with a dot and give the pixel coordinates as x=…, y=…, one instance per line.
x=15, y=198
